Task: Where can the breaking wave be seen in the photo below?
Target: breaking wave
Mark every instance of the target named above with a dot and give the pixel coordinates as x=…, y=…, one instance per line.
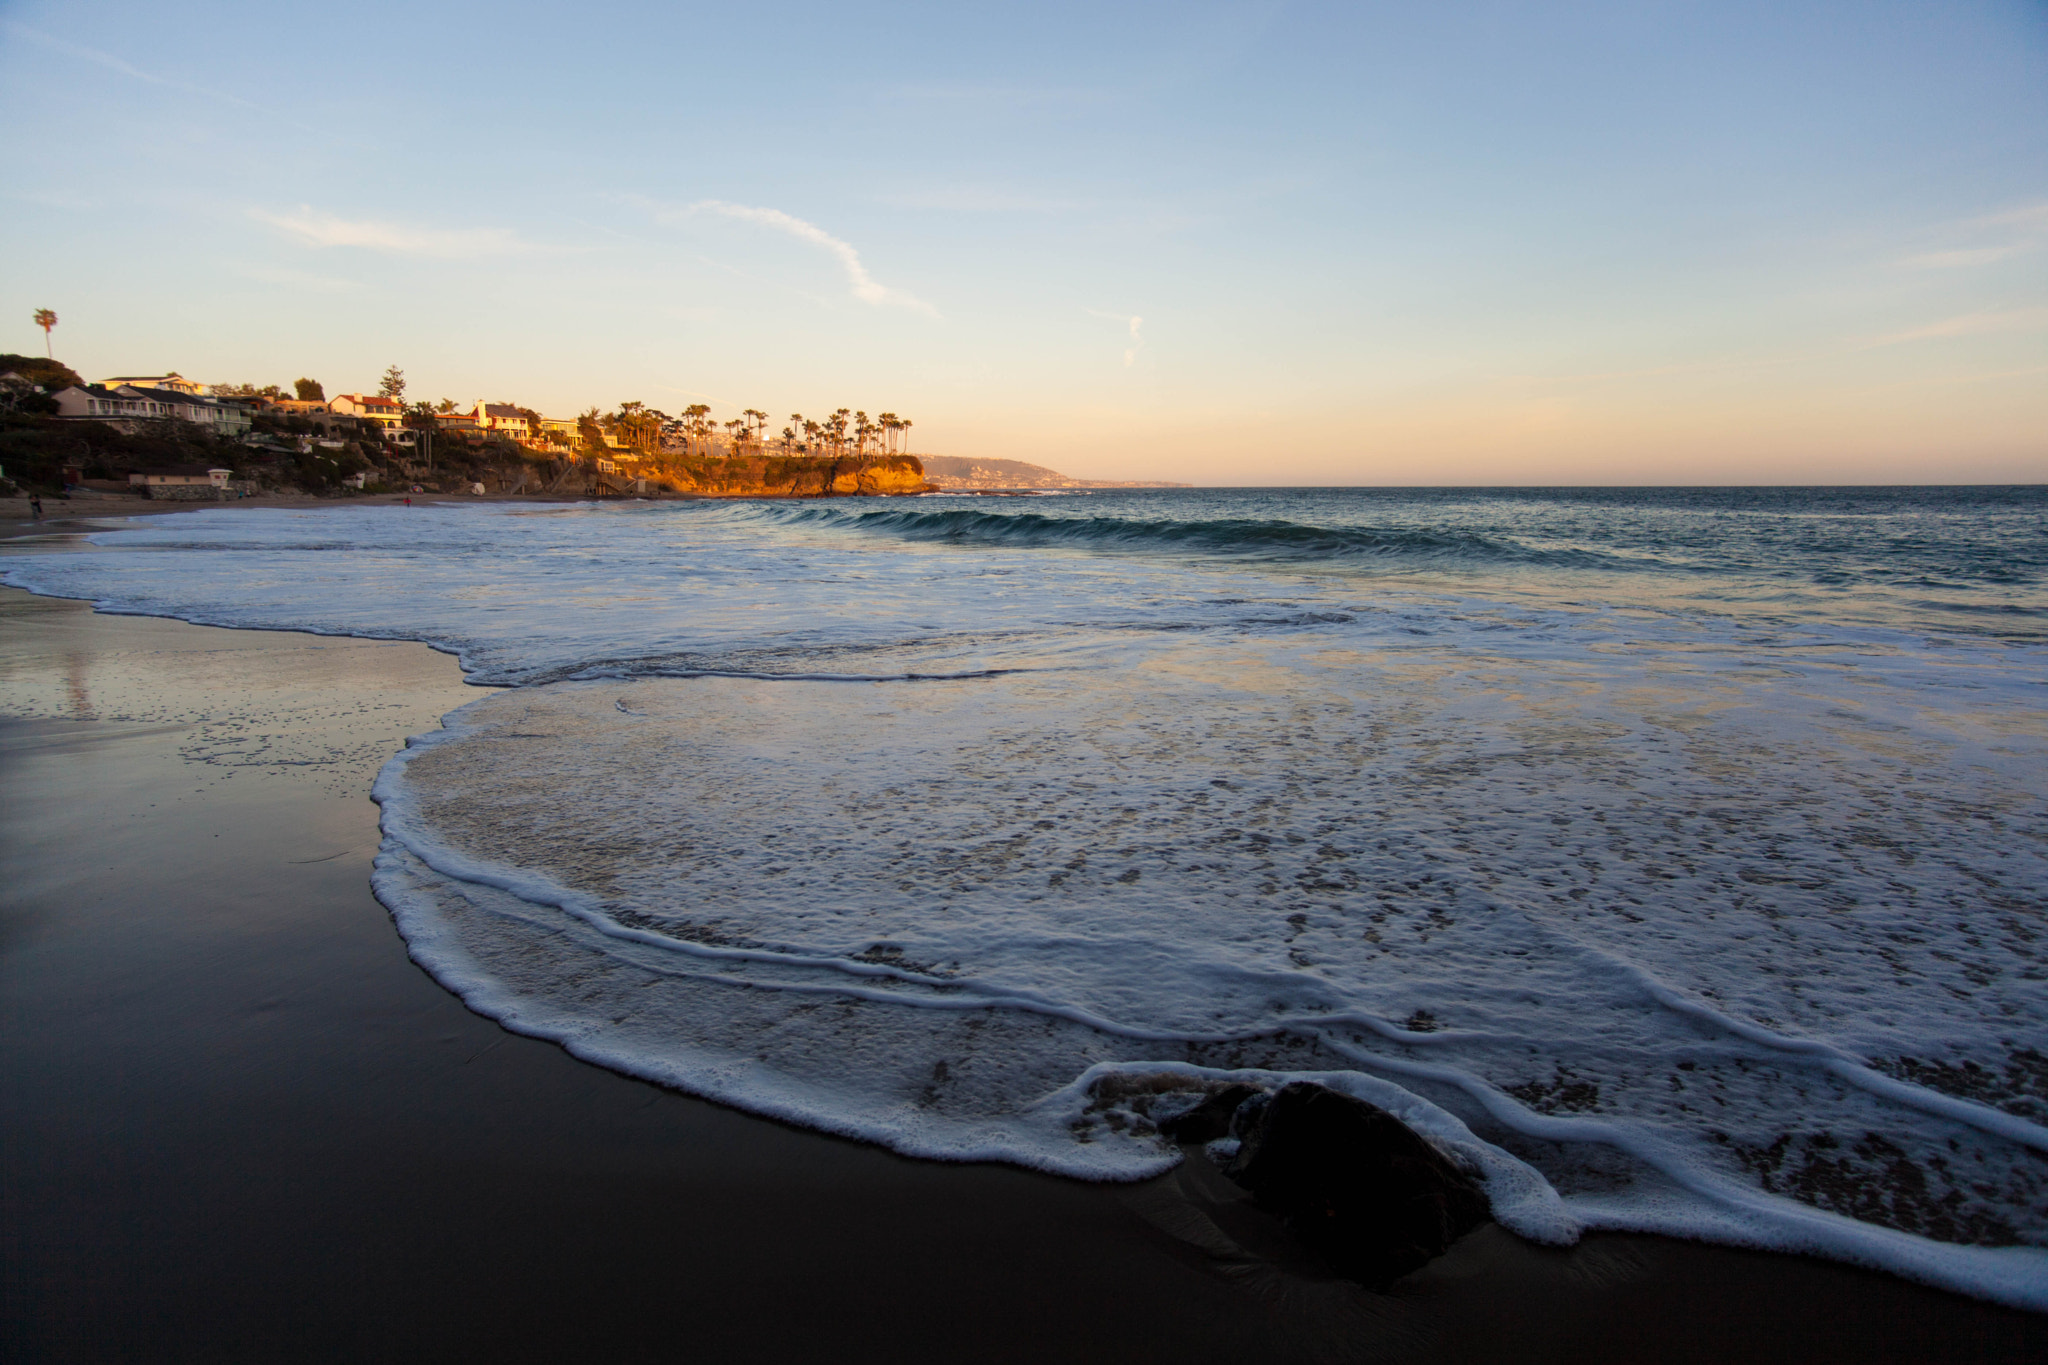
x=1234, y=538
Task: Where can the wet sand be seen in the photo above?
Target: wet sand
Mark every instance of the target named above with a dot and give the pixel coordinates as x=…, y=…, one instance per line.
x=239, y=1124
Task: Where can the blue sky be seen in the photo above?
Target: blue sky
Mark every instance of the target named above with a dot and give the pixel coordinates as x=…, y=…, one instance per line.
x=1272, y=243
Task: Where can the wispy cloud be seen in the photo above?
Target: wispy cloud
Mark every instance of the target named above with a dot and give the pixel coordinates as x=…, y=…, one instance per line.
x=863, y=285
x=1992, y=237
x=113, y=63
x=325, y=230
x=1136, y=326
x=1967, y=324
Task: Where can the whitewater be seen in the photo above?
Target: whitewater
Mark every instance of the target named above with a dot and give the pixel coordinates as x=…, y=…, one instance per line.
x=1676, y=860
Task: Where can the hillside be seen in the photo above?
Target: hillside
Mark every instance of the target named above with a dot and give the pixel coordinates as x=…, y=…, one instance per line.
x=956, y=471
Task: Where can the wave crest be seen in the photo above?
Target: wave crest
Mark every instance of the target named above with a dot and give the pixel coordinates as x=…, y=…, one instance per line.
x=1236, y=538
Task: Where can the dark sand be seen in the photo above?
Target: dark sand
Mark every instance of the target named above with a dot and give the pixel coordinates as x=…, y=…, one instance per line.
x=239, y=1124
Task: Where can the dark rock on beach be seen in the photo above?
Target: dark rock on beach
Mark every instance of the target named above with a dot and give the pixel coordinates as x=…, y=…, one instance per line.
x=1210, y=1119
x=1351, y=1181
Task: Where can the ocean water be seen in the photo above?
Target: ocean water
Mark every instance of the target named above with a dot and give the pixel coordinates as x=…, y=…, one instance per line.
x=1675, y=859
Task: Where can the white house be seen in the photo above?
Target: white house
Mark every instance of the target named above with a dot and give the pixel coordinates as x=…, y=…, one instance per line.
x=127, y=407
x=502, y=418
x=385, y=412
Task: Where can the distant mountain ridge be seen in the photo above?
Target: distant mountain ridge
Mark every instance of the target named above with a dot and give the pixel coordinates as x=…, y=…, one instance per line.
x=957, y=471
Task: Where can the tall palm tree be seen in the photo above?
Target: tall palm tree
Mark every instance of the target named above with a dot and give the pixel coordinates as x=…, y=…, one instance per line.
x=697, y=424
x=46, y=319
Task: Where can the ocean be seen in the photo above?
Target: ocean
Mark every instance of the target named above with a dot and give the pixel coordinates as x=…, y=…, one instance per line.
x=1677, y=859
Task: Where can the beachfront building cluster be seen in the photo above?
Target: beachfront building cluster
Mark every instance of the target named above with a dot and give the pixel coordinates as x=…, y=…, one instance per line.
x=127, y=402
x=618, y=441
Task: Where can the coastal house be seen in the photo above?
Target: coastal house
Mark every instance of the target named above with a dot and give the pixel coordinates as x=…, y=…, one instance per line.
x=385, y=412
x=174, y=382
x=182, y=483
x=455, y=421
x=127, y=407
x=561, y=431
x=502, y=419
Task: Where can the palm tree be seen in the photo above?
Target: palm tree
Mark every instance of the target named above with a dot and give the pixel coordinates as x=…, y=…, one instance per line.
x=46, y=319
x=695, y=425
x=420, y=417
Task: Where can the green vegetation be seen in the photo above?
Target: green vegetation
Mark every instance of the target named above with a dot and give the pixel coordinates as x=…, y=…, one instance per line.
x=309, y=391
x=52, y=375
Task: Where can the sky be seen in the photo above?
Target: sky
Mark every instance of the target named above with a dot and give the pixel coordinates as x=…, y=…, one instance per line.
x=1224, y=244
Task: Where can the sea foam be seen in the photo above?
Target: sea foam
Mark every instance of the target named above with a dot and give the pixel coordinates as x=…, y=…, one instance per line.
x=1716, y=920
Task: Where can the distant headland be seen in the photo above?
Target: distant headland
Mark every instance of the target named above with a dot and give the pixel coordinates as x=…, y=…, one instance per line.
x=961, y=472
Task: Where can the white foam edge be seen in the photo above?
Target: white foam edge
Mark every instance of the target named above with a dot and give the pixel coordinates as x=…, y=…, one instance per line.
x=1851, y=1069
x=1734, y=1214
x=1739, y=1215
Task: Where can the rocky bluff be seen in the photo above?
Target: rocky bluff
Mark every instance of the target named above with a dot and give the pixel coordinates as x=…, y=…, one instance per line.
x=757, y=476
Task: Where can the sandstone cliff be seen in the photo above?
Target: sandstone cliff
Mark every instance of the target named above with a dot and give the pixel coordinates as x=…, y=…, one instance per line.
x=757, y=476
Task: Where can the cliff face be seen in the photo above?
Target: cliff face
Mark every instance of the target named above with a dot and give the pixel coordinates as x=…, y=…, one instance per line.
x=760, y=476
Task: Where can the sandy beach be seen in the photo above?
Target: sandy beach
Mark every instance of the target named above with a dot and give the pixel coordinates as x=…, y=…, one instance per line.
x=241, y=1125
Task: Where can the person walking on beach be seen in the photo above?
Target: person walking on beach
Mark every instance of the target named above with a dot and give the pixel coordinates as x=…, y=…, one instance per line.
x=35, y=505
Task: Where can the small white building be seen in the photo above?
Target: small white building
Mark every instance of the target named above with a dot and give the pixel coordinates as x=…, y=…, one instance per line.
x=182, y=483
